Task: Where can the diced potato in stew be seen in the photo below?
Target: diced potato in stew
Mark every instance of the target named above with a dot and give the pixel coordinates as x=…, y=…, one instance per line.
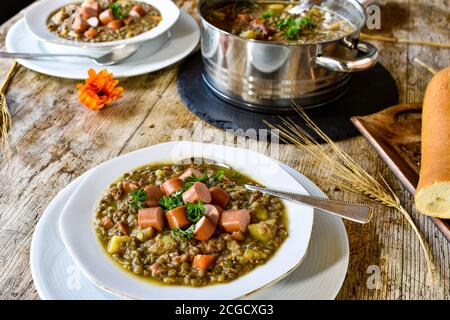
x=189, y=225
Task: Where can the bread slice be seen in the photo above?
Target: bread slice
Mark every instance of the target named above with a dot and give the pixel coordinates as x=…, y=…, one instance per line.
x=432, y=196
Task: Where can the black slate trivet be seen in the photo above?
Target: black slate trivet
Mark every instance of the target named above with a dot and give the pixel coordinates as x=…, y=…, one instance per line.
x=370, y=91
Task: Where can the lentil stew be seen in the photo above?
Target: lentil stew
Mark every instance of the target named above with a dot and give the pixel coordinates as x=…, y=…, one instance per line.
x=103, y=20
x=190, y=225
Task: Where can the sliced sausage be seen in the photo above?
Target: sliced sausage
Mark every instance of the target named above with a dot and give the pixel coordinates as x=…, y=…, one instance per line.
x=219, y=196
x=235, y=220
x=190, y=172
x=93, y=22
x=204, y=229
x=197, y=192
x=127, y=186
x=171, y=186
x=123, y=228
x=89, y=8
x=154, y=194
x=115, y=25
x=151, y=217
x=203, y=261
x=107, y=223
x=79, y=25
x=177, y=218
x=106, y=16
x=213, y=212
x=128, y=20
x=92, y=33
x=137, y=11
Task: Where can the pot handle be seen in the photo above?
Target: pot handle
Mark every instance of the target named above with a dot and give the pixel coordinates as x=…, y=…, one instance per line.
x=365, y=62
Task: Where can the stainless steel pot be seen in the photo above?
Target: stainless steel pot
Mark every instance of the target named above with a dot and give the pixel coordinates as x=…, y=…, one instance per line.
x=267, y=76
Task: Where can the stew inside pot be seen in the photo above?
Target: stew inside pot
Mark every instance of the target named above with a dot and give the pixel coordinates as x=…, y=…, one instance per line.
x=273, y=22
x=189, y=225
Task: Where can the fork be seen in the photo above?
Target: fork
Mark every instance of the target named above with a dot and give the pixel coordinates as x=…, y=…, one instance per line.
x=356, y=212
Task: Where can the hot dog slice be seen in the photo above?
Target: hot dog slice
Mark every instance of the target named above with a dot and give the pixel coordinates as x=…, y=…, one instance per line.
x=153, y=196
x=128, y=186
x=171, y=186
x=213, y=212
x=93, y=22
x=89, y=8
x=128, y=20
x=151, y=217
x=235, y=220
x=137, y=11
x=203, y=261
x=204, y=229
x=190, y=172
x=91, y=33
x=79, y=25
x=115, y=25
x=197, y=192
x=106, y=16
x=219, y=196
x=177, y=218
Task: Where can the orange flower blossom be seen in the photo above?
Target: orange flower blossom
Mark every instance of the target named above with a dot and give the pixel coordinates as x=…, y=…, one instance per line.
x=98, y=90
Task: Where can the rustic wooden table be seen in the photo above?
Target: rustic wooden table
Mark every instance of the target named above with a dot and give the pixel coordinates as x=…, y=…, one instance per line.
x=55, y=139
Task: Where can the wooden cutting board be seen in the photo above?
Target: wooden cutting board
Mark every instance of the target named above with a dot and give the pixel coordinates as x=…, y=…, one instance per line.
x=395, y=135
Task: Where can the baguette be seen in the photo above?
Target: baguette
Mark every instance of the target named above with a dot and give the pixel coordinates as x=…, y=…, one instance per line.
x=432, y=195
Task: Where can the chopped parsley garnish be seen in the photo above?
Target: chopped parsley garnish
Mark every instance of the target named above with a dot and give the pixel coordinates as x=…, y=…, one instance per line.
x=217, y=177
x=138, y=198
x=194, y=178
x=179, y=233
x=267, y=15
x=293, y=27
x=118, y=11
x=176, y=199
x=195, y=211
x=171, y=202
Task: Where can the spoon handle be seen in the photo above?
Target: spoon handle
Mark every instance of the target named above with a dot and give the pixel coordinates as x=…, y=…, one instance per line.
x=351, y=211
x=18, y=55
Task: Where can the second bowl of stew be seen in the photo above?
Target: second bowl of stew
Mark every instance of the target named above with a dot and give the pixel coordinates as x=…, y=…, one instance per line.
x=145, y=226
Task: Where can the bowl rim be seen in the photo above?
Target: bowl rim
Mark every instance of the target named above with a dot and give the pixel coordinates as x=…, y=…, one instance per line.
x=118, y=285
x=167, y=8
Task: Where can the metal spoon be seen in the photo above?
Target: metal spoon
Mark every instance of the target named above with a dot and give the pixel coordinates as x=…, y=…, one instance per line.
x=301, y=7
x=115, y=56
x=356, y=212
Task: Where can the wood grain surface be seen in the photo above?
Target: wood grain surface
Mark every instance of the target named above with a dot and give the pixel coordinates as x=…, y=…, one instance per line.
x=55, y=139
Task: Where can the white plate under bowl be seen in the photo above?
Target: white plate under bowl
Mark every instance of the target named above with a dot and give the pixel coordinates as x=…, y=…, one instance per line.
x=76, y=223
x=185, y=35
x=36, y=18
x=320, y=276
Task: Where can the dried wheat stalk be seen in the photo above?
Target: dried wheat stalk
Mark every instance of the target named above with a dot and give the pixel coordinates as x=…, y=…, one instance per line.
x=366, y=36
x=5, y=116
x=346, y=173
x=425, y=66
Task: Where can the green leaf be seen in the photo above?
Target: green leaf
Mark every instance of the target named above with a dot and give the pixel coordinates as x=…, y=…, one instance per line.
x=192, y=179
x=171, y=202
x=138, y=198
x=179, y=233
x=217, y=177
x=195, y=211
x=294, y=27
x=267, y=15
x=118, y=11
